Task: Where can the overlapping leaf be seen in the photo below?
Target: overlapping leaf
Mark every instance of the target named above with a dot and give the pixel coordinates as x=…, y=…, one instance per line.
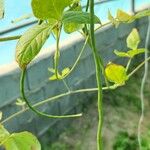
x=78, y=17
x=46, y=9
x=72, y=27
x=30, y=44
x=116, y=73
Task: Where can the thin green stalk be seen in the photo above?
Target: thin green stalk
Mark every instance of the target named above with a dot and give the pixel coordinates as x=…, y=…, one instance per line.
x=35, y=110
x=128, y=64
x=57, y=53
x=78, y=58
x=138, y=67
x=4, y=39
x=54, y=98
x=98, y=77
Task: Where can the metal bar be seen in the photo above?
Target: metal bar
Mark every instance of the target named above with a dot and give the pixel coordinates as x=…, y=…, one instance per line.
x=2, y=32
x=133, y=6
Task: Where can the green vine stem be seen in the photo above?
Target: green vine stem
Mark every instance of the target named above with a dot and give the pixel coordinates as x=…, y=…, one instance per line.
x=57, y=53
x=54, y=98
x=98, y=76
x=35, y=110
x=10, y=38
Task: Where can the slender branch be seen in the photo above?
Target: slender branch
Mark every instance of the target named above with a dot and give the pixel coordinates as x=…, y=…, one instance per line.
x=10, y=38
x=35, y=110
x=52, y=99
x=128, y=64
x=138, y=67
x=98, y=76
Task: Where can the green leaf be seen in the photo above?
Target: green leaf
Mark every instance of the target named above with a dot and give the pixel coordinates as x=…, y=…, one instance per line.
x=121, y=54
x=130, y=53
x=78, y=17
x=46, y=9
x=123, y=16
x=135, y=52
x=4, y=134
x=112, y=19
x=133, y=39
x=116, y=73
x=1, y=9
x=30, y=44
x=72, y=27
x=143, y=13
x=22, y=141
x=65, y=72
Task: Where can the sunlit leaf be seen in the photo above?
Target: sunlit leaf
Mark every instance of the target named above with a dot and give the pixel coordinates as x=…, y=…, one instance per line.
x=116, y=73
x=65, y=72
x=22, y=141
x=46, y=9
x=4, y=134
x=112, y=19
x=78, y=17
x=121, y=54
x=72, y=27
x=1, y=9
x=142, y=14
x=20, y=102
x=123, y=16
x=133, y=39
x=132, y=53
x=30, y=44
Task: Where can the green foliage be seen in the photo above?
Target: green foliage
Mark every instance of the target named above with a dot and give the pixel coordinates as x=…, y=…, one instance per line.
x=78, y=17
x=1, y=9
x=47, y=9
x=133, y=39
x=123, y=17
x=71, y=27
x=18, y=141
x=29, y=45
x=130, y=53
x=116, y=73
x=124, y=141
x=64, y=72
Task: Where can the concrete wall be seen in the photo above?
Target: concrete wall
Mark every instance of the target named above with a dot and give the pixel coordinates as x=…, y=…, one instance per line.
x=38, y=87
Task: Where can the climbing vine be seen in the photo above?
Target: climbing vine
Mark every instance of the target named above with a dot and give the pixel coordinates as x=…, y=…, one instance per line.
x=68, y=15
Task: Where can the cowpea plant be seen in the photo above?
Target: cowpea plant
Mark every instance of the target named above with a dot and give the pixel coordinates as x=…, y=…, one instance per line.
x=68, y=15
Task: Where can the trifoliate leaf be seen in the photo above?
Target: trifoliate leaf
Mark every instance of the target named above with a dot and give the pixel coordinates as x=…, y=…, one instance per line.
x=116, y=73
x=133, y=39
